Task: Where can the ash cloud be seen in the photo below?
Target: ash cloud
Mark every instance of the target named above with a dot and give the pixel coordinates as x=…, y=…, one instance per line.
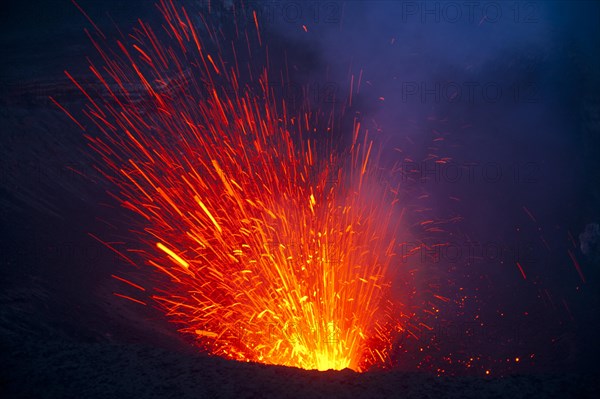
x=506, y=94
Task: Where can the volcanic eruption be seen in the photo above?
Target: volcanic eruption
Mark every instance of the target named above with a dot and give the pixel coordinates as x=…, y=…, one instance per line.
x=267, y=239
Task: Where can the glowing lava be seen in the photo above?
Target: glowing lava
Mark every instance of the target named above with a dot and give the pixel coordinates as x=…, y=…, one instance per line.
x=273, y=246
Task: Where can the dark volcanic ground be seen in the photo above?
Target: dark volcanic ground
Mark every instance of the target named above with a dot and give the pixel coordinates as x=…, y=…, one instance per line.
x=66, y=369
x=63, y=333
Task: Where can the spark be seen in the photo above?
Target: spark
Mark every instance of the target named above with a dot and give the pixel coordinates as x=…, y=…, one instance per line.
x=130, y=298
x=173, y=255
x=245, y=216
x=528, y=212
x=521, y=270
x=576, y=264
x=128, y=282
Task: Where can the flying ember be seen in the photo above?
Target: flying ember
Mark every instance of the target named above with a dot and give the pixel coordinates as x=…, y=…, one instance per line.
x=270, y=242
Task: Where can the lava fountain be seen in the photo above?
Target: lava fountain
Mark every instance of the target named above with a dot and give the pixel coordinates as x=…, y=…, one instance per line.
x=273, y=244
